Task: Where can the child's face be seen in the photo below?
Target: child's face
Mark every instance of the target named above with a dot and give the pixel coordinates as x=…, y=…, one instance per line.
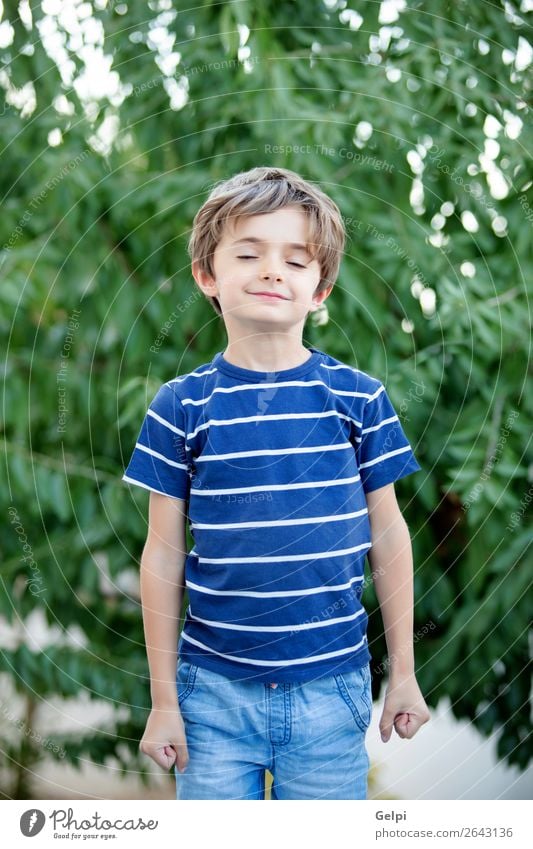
x=244, y=267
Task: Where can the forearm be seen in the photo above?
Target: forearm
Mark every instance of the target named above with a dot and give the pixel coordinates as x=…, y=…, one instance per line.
x=391, y=561
x=161, y=596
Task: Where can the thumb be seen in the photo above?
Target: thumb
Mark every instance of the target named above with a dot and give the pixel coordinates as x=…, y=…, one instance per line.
x=170, y=753
x=401, y=723
x=162, y=753
x=164, y=756
x=386, y=722
x=180, y=754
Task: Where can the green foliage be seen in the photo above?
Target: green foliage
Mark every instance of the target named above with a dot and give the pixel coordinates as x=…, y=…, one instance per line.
x=97, y=302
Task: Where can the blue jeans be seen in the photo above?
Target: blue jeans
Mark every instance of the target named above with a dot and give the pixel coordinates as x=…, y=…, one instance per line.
x=310, y=735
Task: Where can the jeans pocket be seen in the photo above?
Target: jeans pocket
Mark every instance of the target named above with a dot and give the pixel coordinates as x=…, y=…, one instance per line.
x=185, y=680
x=355, y=688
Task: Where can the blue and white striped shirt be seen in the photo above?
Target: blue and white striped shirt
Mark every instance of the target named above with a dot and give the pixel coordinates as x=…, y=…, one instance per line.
x=274, y=467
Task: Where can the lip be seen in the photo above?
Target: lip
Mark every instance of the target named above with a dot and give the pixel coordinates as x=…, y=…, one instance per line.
x=269, y=295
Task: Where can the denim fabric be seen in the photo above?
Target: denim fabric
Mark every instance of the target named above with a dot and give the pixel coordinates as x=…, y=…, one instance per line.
x=310, y=735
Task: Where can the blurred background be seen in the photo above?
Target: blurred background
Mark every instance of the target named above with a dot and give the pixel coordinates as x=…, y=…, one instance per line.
x=116, y=119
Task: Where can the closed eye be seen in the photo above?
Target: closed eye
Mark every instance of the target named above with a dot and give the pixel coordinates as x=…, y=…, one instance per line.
x=296, y=264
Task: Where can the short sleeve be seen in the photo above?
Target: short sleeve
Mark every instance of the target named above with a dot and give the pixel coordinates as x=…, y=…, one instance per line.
x=159, y=461
x=384, y=453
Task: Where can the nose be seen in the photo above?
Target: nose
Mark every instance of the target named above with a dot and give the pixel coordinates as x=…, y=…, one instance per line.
x=267, y=275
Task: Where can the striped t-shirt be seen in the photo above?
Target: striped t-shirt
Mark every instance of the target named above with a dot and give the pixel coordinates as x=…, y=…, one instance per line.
x=274, y=467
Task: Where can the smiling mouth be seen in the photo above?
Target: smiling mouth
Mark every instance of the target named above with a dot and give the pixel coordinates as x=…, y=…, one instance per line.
x=271, y=295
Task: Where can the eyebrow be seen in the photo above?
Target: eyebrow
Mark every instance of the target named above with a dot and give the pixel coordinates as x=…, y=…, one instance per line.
x=255, y=240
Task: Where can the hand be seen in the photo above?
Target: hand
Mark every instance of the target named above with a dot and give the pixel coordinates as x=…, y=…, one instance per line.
x=404, y=707
x=164, y=739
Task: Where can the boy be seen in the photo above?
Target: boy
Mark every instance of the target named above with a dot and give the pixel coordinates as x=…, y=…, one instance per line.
x=283, y=460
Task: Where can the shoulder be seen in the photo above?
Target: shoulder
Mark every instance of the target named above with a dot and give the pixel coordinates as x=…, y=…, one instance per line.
x=190, y=384
x=348, y=377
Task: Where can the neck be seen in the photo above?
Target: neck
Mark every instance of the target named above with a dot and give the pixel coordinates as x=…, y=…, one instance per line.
x=267, y=352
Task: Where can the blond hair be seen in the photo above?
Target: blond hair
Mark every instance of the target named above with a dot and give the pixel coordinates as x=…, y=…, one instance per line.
x=261, y=190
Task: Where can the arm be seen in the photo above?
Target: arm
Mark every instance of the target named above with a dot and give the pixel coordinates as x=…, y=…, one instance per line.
x=162, y=586
x=162, y=576
x=391, y=562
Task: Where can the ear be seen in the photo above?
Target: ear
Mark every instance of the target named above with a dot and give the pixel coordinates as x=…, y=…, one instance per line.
x=320, y=297
x=204, y=280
